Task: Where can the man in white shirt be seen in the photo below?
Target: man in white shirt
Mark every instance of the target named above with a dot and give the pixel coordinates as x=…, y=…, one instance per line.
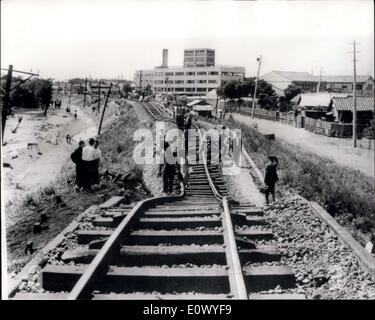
x=88, y=152
x=88, y=159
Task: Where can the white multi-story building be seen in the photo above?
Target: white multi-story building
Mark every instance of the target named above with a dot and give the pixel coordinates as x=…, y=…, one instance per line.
x=190, y=79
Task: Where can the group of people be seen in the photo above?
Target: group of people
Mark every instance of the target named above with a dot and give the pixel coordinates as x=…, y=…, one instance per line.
x=87, y=160
x=183, y=118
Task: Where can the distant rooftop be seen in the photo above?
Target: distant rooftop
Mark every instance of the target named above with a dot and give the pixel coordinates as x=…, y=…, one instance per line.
x=182, y=67
x=345, y=78
x=297, y=76
x=199, y=49
x=317, y=99
x=346, y=103
x=305, y=76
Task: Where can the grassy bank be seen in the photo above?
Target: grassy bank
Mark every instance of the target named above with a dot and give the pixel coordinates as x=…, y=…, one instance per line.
x=346, y=194
x=62, y=204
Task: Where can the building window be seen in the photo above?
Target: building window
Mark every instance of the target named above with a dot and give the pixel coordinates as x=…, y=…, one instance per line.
x=179, y=89
x=159, y=74
x=191, y=81
x=169, y=73
x=202, y=81
x=201, y=73
x=359, y=86
x=159, y=81
x=180, y=73
x=201, y=89
x=179, y=81
x=190, y=73
x=213, y=73
x=212, y=81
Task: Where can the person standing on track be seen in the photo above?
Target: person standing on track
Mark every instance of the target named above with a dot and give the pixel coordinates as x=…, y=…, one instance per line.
x=180, y=118
x=270, y=177
x=183, y=173
x=167, y=168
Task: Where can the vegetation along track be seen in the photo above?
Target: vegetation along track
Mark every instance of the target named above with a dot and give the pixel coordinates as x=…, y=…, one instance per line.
x=196, y=245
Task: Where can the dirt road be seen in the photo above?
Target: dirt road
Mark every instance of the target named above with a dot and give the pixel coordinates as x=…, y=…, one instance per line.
x=38, y=150
x=337, y=149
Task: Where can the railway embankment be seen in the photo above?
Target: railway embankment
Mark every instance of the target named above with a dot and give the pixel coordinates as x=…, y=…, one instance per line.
x=58, y=204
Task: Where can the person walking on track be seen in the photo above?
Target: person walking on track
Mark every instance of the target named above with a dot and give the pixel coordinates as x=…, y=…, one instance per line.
x=168, y=168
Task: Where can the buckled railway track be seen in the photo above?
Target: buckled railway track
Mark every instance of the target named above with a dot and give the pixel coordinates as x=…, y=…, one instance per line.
x=196, y=245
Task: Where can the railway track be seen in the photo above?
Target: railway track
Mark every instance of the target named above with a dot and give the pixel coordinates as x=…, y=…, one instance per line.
x=196, y=245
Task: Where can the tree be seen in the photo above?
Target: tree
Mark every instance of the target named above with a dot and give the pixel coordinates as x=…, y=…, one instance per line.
x=126, y=89
x=267, y=96
x=32, y=94
x=43, y=92
x=284, y=104
x=291, y=91
x=230, y=90
x=237, y=89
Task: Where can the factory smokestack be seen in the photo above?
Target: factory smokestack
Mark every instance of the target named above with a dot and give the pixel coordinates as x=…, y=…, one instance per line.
x=165, y=58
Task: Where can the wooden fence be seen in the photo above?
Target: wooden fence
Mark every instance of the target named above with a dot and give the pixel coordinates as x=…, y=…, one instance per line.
x=287, y=118
x=330, y=129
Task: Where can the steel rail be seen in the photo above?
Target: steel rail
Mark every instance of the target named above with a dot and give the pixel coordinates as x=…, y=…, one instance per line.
x=236, y=279
x=85, y=285
x=149, y=111
x=83, y=288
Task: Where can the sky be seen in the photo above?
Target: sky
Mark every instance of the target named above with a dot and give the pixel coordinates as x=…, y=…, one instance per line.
x=109, y=39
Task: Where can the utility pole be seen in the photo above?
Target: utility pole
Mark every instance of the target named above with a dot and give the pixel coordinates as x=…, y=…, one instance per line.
x=105, y=105
x=99, y=99
x=140, y=80
x=354, y=98
x=84, y=93
x=6, y=108
x=70, y=94
x=320, y=80
x=259, y=59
